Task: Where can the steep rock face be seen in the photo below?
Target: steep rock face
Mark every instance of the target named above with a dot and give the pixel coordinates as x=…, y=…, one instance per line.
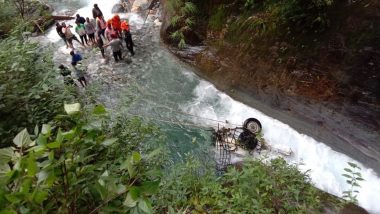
x=331, y=93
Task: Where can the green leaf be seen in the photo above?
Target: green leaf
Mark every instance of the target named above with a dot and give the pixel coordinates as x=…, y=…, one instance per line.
x=32, y=165
x=99, y=109
x=347, y=170
x=53, y=145
x=6, y=155
x=12, y=198
x=130, y=168
x=8, y=211
x=60, y=137
x=46, y=129
x=101, y=190
x=22, y=139
x=145, y=206
x=136, y=157
x=41, y=140
x=353, y=165
x=150, y=187
x=129, y=201
x=40, y=196
x=42, y=176
x=109, y=142
x=347, y=176
x=171, y=210
x=69, y=135
x=135, y=192
x=4, y=169
x=120, y=188
x=71, y=109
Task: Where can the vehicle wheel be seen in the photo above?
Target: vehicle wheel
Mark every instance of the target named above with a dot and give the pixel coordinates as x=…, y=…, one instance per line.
x=253, y=125
x=247, y=140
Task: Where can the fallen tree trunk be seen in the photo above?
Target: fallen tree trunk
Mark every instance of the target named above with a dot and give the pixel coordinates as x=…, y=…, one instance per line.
x=58, y=18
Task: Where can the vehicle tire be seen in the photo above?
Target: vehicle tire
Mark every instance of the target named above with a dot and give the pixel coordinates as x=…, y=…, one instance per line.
x=247, y=140
x=253, y=125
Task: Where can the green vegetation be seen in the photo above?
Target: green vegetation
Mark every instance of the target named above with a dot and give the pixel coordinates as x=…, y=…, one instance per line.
x=218, y=19
x=353, y=176
x=7, y=18
x=269, y=188
x=30, y=93
x=35, y=15
x=297, y=15
x=182, y=20
x=73, y=165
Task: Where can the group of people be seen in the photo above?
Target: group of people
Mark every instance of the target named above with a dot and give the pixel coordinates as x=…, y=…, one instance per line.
x=94, y=32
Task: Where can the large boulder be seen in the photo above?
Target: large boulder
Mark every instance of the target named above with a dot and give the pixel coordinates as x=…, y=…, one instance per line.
x=119, y=8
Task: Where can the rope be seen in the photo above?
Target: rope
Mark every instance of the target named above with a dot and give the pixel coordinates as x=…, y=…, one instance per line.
x=167, y=121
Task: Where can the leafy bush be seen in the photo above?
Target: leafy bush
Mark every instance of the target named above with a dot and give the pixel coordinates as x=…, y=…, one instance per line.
x=75, y=166
x=30, y=93
x=7, y=17
x=217, y=20
x=273, y=188
x=354, y=177
x=299, y=15
x=182, y=19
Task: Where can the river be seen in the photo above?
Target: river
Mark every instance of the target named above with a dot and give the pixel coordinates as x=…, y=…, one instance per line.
x=167, y=92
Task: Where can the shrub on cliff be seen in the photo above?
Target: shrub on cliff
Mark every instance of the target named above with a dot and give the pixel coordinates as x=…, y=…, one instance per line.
x=182, y=20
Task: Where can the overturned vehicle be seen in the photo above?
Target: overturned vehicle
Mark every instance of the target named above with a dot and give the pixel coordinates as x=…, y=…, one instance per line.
x=233, y=144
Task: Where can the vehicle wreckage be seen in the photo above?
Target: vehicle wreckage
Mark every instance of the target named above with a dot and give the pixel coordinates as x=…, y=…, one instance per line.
x=232, y=144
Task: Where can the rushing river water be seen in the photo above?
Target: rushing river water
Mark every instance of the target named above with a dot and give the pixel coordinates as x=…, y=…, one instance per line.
x=170, y=94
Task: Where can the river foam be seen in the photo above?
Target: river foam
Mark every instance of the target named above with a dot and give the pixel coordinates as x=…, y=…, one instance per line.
x=326, y=165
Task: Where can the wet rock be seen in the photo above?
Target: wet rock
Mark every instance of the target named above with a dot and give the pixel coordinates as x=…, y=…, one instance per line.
x=139, y=5
x=119, y=8
x=157, y=22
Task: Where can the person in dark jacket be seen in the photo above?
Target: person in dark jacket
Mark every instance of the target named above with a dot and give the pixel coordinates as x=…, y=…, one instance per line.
x=128, y=41
x=80, y=19
x=127, y=36
x=96, y=12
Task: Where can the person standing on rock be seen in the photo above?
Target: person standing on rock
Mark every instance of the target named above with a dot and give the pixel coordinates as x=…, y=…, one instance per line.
x=90, y=30
x=96, y=12
x=116, y=23
x=80, y=19
x=100, y=45
x=127, y=36
x=116, y=46
x=101, y=26
x=110, y=31
x=79, y=74
x=81, y=31
x=69, y=35
x=61, y=34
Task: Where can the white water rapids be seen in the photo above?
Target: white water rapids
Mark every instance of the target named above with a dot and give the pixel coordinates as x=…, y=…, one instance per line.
x=325, y=164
